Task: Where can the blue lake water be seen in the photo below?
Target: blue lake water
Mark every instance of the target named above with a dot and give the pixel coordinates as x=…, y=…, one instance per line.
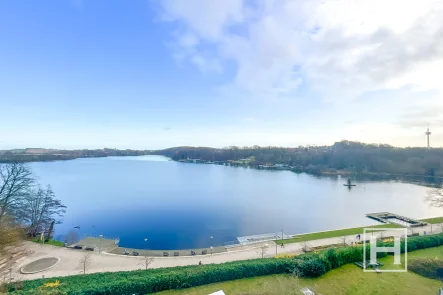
x=180, y=205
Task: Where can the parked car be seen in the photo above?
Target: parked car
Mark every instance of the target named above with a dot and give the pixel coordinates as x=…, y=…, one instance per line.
x=89, y=248
x=135, y=253
x=78, y=247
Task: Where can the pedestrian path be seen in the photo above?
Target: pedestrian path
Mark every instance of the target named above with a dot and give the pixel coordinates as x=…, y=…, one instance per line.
x=70, y=259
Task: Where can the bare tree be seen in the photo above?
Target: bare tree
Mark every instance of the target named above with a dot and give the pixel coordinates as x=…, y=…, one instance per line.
x=39, y=209
x=10, y=234
x=344, y=240
x=72, y=237
x=306, y=247
x=435, y=197
x=16, y=180
x=263, y=249
x=147, y=261
x=85, y=261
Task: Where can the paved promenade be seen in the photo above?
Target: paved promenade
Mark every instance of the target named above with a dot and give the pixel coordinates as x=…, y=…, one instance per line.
x=70, y=264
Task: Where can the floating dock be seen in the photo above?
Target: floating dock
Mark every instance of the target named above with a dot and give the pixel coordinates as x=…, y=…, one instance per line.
x=387, y=217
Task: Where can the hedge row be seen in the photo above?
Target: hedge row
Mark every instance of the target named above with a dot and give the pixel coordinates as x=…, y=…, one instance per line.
x=317, y=264
x=155, y=280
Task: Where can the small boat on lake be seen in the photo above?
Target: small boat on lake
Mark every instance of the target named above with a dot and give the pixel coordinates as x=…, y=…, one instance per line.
x=349, y=183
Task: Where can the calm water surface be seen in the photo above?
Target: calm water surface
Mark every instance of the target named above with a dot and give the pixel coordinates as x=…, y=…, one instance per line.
x=179, y=205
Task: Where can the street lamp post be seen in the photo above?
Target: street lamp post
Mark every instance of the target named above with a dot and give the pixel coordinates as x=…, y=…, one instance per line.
x=211, y=244
x=146, y=240
x=282, y=234
x=100, y=247
x=276, y=244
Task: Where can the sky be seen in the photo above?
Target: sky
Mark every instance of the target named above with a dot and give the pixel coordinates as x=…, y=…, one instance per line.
x=147, y=74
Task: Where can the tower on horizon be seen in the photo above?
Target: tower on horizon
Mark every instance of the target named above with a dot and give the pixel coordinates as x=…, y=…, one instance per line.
x=427, y=134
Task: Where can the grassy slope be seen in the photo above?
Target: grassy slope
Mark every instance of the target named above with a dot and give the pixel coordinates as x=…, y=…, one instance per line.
x=348, y=279
x=333, y=233
x=50, y=242
x=434, y=220
x=347, y=231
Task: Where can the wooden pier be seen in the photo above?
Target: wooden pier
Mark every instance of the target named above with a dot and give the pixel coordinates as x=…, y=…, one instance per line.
x=387, y=217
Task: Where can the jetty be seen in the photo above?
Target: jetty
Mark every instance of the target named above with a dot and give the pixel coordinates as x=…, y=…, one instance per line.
x=349, y=183
x=387, y=217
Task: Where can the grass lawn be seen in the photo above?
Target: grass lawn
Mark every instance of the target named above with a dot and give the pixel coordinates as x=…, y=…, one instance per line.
x=333, y=233
x=348, y=279
x=50, y=242
x=433, y=220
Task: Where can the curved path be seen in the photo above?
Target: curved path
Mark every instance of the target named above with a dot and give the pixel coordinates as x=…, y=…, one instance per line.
x=69, y=263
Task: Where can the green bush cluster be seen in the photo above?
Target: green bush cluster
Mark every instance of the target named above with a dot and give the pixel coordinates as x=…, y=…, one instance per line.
x=316, y=264
x=419, y=242
x=428, y=267
x=155, y=280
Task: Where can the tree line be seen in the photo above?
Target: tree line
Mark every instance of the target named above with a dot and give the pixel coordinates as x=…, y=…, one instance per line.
x=25, y=206
x=348, y=156
x=41, y=155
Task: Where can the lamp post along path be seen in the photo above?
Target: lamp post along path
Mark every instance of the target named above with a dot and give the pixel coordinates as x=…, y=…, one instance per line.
x=276, y=236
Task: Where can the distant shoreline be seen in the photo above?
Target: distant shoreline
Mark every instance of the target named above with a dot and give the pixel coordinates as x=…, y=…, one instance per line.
x=305, y=170
x=52, y=157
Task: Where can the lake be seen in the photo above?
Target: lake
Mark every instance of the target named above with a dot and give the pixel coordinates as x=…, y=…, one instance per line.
x=181, y=205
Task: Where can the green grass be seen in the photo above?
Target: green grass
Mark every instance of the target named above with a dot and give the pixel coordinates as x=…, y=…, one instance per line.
x=347, y=232
x=50, y=242
x=434, y=220
x=333, y=233
x=348, y=279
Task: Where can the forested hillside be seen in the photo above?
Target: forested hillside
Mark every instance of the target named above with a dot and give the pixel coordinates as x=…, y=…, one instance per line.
x=345, y=155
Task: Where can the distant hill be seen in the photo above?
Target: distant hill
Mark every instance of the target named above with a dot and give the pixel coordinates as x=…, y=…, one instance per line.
x=341, y=157
x=41, y=154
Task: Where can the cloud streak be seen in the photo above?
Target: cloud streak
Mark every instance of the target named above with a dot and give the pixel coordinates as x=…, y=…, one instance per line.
x=336, y=48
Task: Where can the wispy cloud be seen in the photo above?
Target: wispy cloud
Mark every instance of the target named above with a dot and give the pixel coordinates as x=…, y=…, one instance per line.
x=337, y=48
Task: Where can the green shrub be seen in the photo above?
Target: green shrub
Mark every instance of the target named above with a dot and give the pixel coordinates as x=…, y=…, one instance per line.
x=309, y=266
x=426, y=267
x=418, y=242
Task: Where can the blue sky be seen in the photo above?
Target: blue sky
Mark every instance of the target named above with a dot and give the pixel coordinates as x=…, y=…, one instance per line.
x=154, y=74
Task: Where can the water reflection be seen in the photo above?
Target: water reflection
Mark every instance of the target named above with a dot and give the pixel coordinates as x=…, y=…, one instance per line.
x=179, y=205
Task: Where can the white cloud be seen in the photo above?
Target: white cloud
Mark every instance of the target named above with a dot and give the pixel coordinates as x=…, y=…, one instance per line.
x=337, y=48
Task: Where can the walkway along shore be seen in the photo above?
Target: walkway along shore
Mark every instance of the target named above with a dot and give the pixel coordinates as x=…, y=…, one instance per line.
x=70, y=259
